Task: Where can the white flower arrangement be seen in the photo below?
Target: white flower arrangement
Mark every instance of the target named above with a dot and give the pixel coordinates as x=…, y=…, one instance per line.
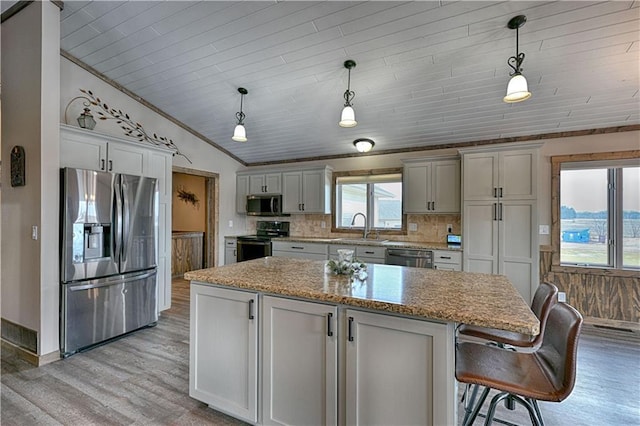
x=351, y=268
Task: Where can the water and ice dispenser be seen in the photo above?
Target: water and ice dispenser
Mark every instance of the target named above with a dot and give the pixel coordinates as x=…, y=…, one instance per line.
x=91, y=241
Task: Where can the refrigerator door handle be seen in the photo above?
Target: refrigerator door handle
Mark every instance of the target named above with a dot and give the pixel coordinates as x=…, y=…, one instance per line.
x=126, y=219
x=109, y=282
x=117, y=221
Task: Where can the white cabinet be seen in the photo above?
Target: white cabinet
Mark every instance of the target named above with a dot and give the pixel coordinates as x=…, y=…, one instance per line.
x=499, y=215
x=84, y=149
x=242, y=190
x=307, y=191
x=399, y=371
x=300, y=363
x=446, y=260
x=265, y=183
x=432, y=186
x=230, y=250
x=223, y=350
x=299, y=250
x=93, y=151
x=366, y=254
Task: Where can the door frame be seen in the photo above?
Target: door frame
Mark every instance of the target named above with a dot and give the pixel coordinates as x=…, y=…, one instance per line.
x=212, y=194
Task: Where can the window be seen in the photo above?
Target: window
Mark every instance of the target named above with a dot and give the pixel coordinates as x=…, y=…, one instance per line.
x=600, y=214
x=377, y=197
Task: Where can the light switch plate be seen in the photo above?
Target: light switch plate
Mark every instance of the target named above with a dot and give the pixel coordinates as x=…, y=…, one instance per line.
x=544, y=229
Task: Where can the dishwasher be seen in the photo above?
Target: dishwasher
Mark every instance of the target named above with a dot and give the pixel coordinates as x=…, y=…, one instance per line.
x=416, y=258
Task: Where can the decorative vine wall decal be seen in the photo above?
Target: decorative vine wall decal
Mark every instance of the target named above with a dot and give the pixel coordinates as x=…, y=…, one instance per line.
x=130, y=127
x=188, y=197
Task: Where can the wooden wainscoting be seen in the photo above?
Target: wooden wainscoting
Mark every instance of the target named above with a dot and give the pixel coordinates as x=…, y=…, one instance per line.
x=187, y=249
x=605, y=298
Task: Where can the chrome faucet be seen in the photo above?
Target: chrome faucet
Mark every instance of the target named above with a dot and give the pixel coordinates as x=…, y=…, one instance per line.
x=366, y=230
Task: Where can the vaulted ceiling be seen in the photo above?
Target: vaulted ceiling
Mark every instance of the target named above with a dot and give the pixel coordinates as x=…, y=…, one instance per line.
x=428, y=72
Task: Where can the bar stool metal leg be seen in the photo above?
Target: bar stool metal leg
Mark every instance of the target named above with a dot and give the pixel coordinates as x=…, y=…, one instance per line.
x=469, y=419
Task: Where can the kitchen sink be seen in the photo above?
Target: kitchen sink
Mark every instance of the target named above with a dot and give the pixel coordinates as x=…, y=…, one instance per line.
x=358, y=241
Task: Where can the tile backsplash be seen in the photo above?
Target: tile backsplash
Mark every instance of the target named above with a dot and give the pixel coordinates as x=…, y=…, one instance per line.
x=429, y=228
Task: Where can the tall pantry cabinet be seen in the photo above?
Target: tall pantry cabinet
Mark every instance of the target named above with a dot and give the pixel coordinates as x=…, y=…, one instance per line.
x=499, y=214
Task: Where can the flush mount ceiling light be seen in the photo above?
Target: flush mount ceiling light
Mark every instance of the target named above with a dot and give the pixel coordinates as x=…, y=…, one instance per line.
x=239, y=133
x=348, y=116
x=363, y=144
x=517, y=90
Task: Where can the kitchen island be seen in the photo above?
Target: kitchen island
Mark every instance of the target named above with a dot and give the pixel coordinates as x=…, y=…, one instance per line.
x=283, y=341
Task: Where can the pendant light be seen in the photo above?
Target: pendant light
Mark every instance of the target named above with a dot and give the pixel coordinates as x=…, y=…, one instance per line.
x=239, y=133
x=363, y=144
x=517, y=90
x=348, y=116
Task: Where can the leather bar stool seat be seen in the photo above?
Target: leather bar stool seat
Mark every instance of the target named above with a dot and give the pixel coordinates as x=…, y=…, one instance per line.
x=545, y=297
x=546, y=374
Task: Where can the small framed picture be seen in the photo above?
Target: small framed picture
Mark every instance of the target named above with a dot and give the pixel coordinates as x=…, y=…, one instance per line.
x=17, y=166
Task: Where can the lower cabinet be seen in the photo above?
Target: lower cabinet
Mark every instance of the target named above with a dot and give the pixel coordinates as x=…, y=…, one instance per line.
x=392, y=370
x=223, y=350
x=447, y=260
x=399, y=371
x=299, y=363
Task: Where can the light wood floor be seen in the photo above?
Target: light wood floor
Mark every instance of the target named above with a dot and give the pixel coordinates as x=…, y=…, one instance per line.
x=143, y=379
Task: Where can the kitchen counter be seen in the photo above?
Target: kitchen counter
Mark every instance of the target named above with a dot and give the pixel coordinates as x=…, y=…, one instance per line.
x=460, y=297
x=373, y=242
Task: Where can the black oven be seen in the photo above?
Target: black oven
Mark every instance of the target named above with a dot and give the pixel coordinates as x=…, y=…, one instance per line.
x=252, y=247
x=259, y=245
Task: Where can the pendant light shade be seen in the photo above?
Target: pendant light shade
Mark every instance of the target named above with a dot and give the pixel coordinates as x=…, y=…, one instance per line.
x=239, y=133
x=517, y=89
x=348, y=116
x=363, y=144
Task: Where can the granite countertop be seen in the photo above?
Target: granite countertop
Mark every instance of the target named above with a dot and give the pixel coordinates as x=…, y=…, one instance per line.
x=462, y=297
x=371, y=242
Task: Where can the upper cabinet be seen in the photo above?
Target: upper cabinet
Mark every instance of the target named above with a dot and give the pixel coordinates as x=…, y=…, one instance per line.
x=307, y=191
x=268, y=183
x=510, y=175
x=432, y=186
x=242, y=190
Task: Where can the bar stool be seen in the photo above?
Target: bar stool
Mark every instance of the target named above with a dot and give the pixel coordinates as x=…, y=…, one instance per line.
x=546, y=374
x=543, y=300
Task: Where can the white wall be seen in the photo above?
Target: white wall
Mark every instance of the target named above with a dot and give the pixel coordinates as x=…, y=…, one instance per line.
x=30, y=82
x=204, y=156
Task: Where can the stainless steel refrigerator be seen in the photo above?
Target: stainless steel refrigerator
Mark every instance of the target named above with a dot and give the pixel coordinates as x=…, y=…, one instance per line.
x=108, y=256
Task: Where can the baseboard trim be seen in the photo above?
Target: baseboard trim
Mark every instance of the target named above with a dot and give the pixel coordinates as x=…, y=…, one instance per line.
x=613, y=329
x=30, y=357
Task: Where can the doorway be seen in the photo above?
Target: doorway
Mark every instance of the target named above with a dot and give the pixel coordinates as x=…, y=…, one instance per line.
x=194, y=219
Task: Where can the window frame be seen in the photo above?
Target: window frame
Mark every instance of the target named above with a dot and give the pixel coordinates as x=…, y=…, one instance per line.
x=334, y=229
x=608, y=160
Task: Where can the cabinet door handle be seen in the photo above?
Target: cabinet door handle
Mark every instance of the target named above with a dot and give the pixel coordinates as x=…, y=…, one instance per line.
x=445, y=257
x=349, y=333
x=102, y=166
x=329, y=321
x=495, y=192
x=297, y=248
x=495, y=211
x=110, y=165
x=433, y=205
x=251, y=316
x=499, y=211
x=302, y=206
x=235, y=252
x=500, y=195
x=370, y=252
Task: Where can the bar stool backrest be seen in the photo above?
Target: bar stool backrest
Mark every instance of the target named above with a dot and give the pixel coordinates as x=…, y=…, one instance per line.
x=559, y=349
x=545, y=298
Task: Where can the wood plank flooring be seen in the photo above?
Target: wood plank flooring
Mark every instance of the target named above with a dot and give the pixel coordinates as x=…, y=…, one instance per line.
x=143, y=379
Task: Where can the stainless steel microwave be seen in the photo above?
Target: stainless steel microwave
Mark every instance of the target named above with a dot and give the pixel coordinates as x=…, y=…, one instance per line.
x=264, y=205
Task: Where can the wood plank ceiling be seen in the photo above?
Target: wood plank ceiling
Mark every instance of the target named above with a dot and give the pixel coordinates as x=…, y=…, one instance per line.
x=428, y=72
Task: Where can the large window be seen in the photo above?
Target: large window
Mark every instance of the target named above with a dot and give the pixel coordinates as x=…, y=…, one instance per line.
x=377, y=197
x=600, y=214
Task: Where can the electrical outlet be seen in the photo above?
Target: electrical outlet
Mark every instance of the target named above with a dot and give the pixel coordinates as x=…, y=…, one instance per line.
x=449, y=228
x=413, y=227
x=230, y=224
x=544, y=229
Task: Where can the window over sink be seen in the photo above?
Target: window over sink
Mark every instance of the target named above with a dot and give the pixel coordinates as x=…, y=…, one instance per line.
x=368, y=200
